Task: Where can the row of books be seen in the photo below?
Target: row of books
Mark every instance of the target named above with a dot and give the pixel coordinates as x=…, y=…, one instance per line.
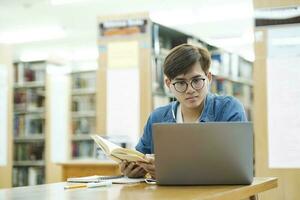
x=30, y=72
x=243, y=92
x=84, y=80
x=29, y=99
x=28, y=125
x=84, y=125
x=231, y=65
x=33, y=151
x=83, y=103
x=83, y=149
x=23, y=176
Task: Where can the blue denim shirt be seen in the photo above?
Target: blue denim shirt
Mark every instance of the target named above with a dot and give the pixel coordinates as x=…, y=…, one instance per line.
x=216, y=108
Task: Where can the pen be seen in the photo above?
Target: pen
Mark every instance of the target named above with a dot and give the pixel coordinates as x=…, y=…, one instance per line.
x=89, y=185
x=74, y=186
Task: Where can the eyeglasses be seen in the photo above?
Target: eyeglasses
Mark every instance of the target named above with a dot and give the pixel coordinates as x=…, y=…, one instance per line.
x=196, y=83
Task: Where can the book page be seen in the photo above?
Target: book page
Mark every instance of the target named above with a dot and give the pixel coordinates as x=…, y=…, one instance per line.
x=129, y=155
x=104, y=144
x=116, y=152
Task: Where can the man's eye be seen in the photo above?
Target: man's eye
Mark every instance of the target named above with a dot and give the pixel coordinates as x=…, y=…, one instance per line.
x=181, y=83
x=197, y=80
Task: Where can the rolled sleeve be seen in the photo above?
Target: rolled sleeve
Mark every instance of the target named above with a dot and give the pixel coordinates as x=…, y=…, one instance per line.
x=145, y=143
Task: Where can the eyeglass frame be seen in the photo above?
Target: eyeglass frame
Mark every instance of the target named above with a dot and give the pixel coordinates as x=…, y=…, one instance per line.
x=189, y=83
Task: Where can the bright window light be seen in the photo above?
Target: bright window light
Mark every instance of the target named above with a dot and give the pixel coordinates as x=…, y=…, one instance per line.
x=31, y=35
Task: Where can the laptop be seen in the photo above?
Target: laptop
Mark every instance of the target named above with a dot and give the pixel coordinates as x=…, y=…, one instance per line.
x=211, y=153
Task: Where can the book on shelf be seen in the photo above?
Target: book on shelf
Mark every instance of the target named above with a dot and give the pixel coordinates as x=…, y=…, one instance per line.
x=20, y=97
x=83, y=103
x=118, y=153
x=30, y=72
x=83, y=149
x=84, y=80
x=30, y=99
x=35, y=176
x=220, y=64
x=19, y=125
x=30, y=151
x=20, y=177
x=34, y=124
x=83, y=125
x=23, y=176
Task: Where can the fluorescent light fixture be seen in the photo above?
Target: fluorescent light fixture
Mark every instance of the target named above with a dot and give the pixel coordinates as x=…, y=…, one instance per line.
x=33, y=56
x=277, y=13
x=62, y=2
x=202, y=15
x=32, y=35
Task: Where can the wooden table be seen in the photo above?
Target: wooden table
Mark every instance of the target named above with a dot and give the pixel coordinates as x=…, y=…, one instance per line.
x=88, y=168
x=139, y=191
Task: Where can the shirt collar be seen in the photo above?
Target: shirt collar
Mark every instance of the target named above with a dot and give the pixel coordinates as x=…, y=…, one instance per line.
x=205, y=117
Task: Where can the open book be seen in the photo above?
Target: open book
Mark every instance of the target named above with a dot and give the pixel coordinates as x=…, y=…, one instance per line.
x=118, y=153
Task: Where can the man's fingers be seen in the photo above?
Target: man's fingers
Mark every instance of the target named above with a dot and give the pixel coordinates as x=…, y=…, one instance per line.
x=128, y=169
x=135, y=171
x=123, y=165
x=148, y=167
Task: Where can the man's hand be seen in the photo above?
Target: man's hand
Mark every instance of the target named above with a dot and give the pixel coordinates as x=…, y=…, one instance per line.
x=149, y=167
x=132, y=170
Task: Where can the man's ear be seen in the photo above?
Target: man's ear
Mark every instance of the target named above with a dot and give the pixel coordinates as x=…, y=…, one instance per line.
x=209, y=76
x=167, y=82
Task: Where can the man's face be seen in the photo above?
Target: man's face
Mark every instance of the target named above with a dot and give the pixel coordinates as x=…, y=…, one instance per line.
x=190, y=89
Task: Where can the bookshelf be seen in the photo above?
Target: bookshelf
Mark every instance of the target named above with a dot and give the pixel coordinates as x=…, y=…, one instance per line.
x=35, y=125
x=29, y=123
x=149, y=43
x=233, y=75
x=83, y=114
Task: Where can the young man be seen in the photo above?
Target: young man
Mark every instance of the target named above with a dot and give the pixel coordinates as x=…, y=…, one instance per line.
x=187, y=76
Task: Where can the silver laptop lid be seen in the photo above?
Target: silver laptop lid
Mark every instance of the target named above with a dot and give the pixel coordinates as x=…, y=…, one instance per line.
x=203, y=153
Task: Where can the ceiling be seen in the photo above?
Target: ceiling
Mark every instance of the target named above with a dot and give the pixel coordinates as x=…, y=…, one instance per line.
x=229, y=25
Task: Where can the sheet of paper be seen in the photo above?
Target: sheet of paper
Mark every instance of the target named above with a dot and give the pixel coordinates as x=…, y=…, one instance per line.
x=3, y=114
x=123, y=102
x=283, y=97
x=123, y=55
x=284, y=112
x=123, y=87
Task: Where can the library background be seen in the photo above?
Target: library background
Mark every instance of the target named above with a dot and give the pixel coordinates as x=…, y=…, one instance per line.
x=83, y=68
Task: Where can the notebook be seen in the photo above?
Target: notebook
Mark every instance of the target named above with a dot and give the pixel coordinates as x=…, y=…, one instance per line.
x=96, y=178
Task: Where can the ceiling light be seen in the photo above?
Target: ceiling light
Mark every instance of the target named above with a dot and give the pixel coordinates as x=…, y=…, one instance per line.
x=31, y=35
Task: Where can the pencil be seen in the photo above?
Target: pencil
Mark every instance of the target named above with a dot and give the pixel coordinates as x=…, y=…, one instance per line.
x=75, y=186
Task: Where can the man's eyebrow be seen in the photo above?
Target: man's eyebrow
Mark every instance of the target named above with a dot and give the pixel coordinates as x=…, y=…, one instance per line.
x=183, y=79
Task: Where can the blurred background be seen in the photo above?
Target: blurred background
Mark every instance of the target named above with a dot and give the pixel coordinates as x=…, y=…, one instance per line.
x=73, y=68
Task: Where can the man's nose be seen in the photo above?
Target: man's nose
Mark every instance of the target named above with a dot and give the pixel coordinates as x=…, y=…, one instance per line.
x=190, y=89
